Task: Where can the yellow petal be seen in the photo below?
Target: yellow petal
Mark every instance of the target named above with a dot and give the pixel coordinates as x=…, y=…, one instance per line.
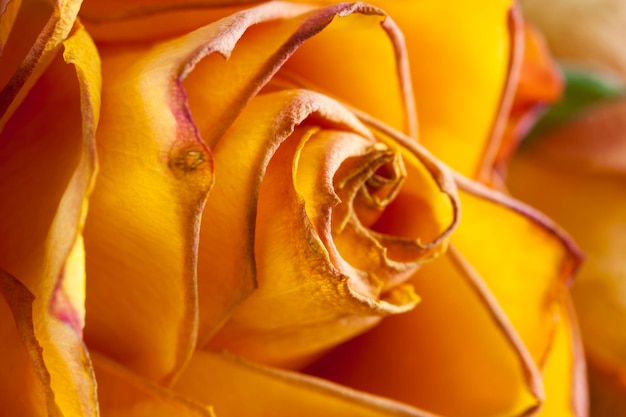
x=458, y=75
x=575, y=174
x=303, y=38
x=122, y=393
x=47, y=152
x=525, y=260
x=456, y=344
x=40, y=29
x=277, y=199
x=380, y=87
x=534, y=81
x=341, y=32
x=141, y=235
x=239, y=388
x=564, y=375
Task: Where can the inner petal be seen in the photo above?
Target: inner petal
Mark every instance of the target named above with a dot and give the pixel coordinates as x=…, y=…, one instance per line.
x=364, y=178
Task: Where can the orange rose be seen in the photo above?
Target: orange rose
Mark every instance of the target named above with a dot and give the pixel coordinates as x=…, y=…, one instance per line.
x=261, y=200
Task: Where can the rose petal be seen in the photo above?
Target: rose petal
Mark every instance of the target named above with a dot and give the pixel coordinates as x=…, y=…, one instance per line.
x=141, y=235
x=239, y=388
x=120, y=9
x=526, y=262
x=564, y=375
x=309, y=36
x=124, y=394
x=39, y=33
x=575, y=174
x=26, y=381
x=534, y=81
x=8, y=13
x=309, y=297
x=49, y=161
x=304, y=43
x=456, y=344
x=453, y=70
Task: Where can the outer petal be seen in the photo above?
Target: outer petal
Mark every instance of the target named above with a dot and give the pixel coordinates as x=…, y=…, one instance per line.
x=453, y=70
x=564, y=375
x=534, y=81
x=526, y=262
x=238, y=388
x=26, y=386
x=576, y=175
x=141, y=236
x=39, y=33
x=456, y=344
x=278, y=198
x=48, y=162
x=303, y=38
x=125, y=394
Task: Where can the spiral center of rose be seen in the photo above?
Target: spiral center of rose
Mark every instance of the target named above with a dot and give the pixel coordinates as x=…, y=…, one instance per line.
x=367, y=185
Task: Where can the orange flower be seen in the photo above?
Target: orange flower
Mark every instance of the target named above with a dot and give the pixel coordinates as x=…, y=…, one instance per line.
x=263, y=221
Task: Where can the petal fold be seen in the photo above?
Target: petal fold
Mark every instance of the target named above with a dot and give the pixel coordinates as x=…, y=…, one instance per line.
x=25, y=380
x=141, y=235
x=49, y=164
x=39, y=31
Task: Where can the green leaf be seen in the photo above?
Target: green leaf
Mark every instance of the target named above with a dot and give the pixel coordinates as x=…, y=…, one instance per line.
x=582, y=90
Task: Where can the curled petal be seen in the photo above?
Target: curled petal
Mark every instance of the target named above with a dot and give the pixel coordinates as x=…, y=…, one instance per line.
x=534, y=81
x=48, y=162
x=224, y=380
x=457, y=343
x=300, y=37
x=26, y=386
x=38, y=33
x=308, y=157
x=447, y=77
